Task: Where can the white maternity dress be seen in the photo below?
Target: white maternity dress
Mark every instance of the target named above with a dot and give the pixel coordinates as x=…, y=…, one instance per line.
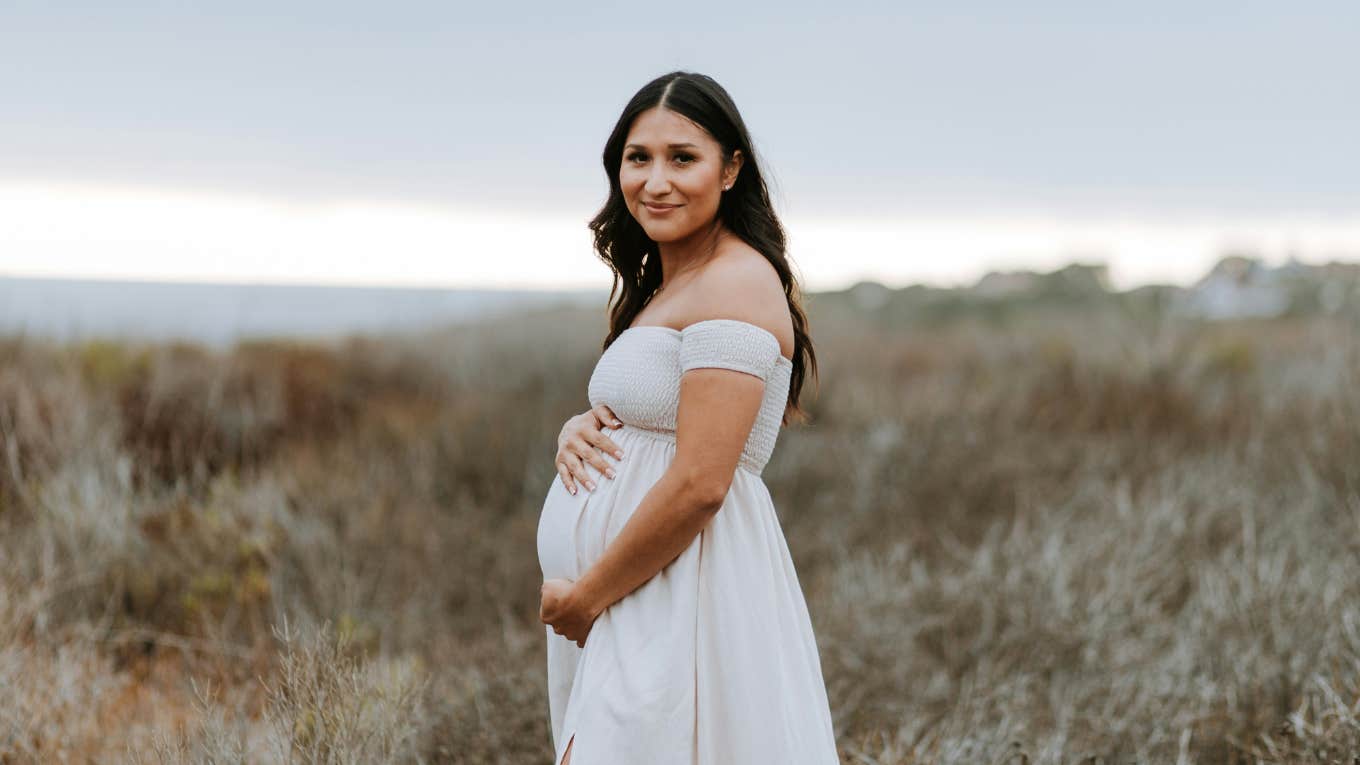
x=713, y=660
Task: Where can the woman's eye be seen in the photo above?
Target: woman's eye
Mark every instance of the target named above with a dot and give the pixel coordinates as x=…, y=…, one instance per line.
x=635, y=157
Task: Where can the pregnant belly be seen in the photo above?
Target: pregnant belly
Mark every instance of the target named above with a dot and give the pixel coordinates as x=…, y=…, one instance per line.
x=557, y=531
x=574, y=529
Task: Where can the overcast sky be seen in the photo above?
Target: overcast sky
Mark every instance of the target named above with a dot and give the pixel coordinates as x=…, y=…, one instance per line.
x=458, y=144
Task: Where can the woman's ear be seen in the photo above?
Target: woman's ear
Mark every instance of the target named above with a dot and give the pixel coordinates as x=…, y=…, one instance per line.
x=733, y=168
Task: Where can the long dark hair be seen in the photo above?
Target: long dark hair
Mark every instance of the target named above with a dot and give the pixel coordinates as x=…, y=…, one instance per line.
x=745, y=210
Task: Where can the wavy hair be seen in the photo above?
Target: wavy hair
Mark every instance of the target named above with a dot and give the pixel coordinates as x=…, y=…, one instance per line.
x=745, y=210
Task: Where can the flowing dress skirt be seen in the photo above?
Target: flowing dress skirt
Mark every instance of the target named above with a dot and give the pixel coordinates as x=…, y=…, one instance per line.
x=712, y=661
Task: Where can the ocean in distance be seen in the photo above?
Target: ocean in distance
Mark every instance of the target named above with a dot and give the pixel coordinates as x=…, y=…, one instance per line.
x=220, y=314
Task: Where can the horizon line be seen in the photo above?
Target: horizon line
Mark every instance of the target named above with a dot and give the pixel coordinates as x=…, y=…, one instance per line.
x=605, y=289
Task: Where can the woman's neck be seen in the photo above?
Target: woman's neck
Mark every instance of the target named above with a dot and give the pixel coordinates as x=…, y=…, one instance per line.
x=689, y=255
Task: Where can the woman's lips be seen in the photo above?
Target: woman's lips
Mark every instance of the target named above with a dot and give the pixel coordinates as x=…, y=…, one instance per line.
x=658, y=209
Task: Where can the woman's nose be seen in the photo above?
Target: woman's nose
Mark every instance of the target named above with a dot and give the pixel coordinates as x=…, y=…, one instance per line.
x=657, y=181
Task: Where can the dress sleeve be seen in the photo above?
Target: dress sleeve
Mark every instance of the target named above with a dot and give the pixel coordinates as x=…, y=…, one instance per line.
x=729, y=344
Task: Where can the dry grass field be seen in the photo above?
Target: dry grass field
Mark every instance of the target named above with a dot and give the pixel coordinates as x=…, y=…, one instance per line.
x=1079, y=534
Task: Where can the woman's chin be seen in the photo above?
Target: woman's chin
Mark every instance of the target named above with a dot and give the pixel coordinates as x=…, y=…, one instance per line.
x=663, y=234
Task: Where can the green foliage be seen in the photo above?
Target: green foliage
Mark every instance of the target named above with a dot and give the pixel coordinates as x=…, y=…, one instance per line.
x=111, y=365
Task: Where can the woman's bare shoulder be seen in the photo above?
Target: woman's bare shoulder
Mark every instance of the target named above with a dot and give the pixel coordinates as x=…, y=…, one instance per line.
x=743, y=285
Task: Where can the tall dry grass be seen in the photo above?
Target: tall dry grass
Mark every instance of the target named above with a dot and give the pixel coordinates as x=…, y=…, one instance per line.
x=1084, y=535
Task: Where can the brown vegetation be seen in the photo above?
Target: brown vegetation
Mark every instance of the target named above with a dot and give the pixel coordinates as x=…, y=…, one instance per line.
x=1053, y=537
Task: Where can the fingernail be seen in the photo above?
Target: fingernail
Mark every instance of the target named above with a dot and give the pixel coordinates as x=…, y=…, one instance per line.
x=590, y=485
x=619, y=454
x=618, y=424
x=609, y=472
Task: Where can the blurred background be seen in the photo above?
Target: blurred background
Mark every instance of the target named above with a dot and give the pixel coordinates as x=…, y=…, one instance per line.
x=294, y=301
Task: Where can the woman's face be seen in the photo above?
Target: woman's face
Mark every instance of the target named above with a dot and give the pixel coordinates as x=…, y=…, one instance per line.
x=673, y=175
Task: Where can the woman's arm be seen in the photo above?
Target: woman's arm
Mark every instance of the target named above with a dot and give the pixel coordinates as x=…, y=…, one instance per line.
x=718, y=408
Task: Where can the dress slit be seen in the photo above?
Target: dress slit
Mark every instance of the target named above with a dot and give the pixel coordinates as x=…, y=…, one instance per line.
x=567, y=751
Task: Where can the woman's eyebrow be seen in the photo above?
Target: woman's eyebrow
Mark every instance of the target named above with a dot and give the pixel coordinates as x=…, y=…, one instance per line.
x=673, y=146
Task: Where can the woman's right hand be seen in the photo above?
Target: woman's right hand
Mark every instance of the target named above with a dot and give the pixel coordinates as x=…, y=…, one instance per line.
x=580, y=441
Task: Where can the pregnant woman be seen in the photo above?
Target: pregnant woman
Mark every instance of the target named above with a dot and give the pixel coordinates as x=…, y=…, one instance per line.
x=677, y=629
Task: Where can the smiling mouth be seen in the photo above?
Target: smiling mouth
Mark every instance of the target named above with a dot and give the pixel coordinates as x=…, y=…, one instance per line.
x=651, y=206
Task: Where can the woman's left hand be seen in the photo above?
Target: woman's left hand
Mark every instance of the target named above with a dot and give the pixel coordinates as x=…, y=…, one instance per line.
x=564, y=609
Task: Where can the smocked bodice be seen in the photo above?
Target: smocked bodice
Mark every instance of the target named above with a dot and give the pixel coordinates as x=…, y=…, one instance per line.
x=638, y=376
